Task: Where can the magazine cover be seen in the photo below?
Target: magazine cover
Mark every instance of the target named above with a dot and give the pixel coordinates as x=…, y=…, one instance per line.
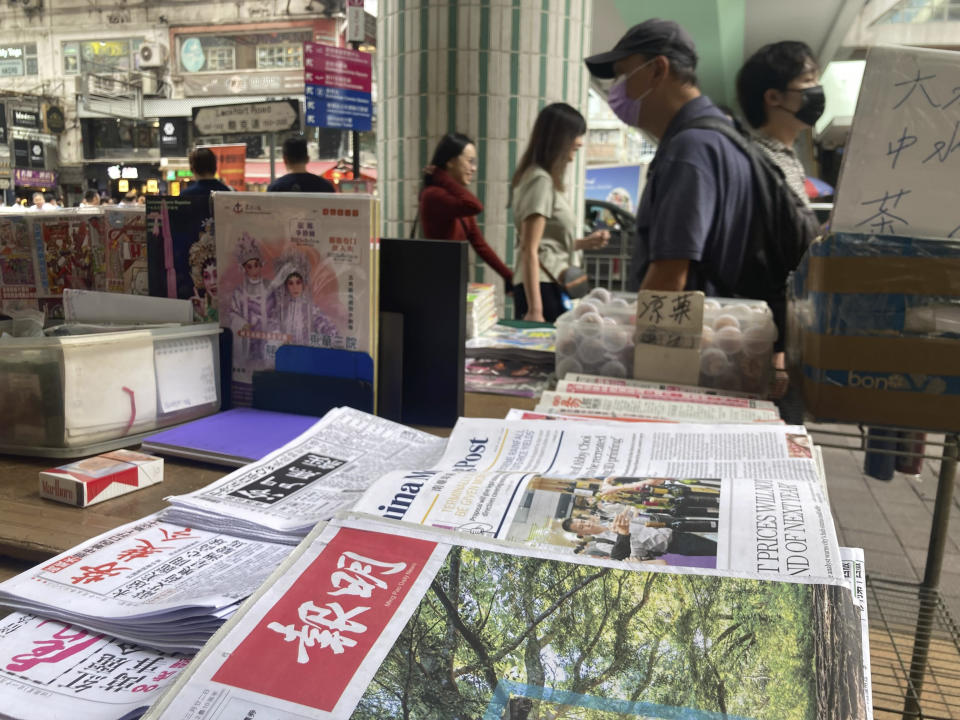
x=69, y=252
x=182, y=252
x=429, y=625
x=293, y=269
x=18, y=276
x=125, y=250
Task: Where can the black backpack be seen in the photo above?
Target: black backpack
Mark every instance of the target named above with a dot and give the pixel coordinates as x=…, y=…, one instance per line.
x=781, y=229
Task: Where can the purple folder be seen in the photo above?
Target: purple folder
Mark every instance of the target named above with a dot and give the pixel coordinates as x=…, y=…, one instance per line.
x=233, y=438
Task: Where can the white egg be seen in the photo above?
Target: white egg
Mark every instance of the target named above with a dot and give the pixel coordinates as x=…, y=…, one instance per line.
x=613, y=368
x=709, y=304
x=618, y=304
x=591, y=351
x=713, y=362
x=601, y=294
x=589, y=324
x=614, y=339
x=585, y=306
x=729, y=339
x=759, y=339
x=706, y=338
x=568, y=365
x=726, y=320
x=566, y=346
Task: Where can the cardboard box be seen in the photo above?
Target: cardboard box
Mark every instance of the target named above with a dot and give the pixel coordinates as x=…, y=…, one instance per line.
x=100, y=478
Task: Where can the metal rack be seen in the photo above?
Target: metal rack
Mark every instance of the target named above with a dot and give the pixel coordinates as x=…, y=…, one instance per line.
x=915, y=643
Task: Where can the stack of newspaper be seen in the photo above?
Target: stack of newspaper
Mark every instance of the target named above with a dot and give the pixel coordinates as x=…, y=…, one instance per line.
x=600, y=397
x=149, y=582
x=324, y=470
x=481, y=308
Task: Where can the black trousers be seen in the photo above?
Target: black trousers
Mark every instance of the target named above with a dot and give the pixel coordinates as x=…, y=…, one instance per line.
x=550, y=296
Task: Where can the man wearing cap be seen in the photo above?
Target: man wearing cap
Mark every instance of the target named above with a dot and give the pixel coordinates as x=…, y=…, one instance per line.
x=695, y=211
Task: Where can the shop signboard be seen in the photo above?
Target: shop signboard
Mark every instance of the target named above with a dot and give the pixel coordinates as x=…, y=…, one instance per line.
x=231, y=164
x=21, y=153
x=34, y=178
x=251, y=82
x=173, y=137
x=270, y=116
x=356, y=26
x=26, y=118
x=337, y=87
x=36, y=154
x=3, y=124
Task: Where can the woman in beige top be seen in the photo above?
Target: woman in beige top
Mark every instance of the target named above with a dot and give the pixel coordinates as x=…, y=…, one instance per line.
x=546, y=225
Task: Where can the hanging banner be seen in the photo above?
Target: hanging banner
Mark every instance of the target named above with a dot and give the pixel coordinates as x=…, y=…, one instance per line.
x=231, y=163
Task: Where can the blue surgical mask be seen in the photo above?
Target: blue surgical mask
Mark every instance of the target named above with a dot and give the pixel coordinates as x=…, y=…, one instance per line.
x=625, y=107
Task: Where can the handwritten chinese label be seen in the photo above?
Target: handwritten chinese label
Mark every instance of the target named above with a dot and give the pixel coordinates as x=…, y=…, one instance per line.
x=901, y=163
x=669, y=319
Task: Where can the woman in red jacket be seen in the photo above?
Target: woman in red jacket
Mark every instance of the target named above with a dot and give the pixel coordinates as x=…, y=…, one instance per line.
x=447, y=209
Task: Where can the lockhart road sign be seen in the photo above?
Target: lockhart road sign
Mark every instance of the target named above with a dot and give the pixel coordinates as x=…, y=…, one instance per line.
x=273, y=116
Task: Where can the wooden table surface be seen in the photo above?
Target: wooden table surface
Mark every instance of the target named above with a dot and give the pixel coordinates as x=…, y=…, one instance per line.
x=33, y=529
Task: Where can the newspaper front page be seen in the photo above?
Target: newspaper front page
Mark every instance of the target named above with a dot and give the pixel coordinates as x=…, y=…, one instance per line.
x=324, y=470
x=854, y=570
x=773, y=528
x=433, y=624
x=633, y=450
x=642, y=393
x=151, y=582
x=49, y=669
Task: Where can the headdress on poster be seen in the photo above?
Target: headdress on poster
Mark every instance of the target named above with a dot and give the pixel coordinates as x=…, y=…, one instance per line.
x=290, y=262
x=202, y=253
x=247, y=249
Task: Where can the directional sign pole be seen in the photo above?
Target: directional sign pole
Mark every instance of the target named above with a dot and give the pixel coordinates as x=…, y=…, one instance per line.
x=273, y=156
x=356, y=140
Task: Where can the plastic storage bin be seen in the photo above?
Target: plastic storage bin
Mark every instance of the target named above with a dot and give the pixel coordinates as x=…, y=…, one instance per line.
x=596, y=337
x=86, y=394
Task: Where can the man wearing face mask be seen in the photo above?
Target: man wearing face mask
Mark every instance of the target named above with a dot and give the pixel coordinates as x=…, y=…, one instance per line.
x=696, y=206
x=778, y=90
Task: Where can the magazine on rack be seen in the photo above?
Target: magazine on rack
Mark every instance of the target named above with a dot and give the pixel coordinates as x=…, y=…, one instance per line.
x=606, y=405
x=149, y=582
x=49, y=669
x=125, y=250
x=324, y=470
x=18, y=265
x=294, y=269
x=434, y=624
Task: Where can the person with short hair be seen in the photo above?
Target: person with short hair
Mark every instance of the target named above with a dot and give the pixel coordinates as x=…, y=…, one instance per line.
x=129, y=200
x=203, y=165
x=448, y=210
x=297, y=179
x=548, y=241
x=695, y=211
x=38, y=201
x=91, y=198
x=780, y=94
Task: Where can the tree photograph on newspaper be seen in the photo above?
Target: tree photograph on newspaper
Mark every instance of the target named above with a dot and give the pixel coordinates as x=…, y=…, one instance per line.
x=505, y=636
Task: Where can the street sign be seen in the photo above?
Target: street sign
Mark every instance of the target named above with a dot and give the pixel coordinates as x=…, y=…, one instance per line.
x=356, y=27
x=338, y=108
x=337, y=87
x=272, y=116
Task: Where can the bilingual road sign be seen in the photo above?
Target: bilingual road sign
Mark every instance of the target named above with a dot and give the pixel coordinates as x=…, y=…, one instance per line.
x=337, y=87
x=338, y=108
x=271, y=116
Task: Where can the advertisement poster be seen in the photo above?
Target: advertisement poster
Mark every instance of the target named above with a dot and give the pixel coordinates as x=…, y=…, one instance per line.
x=125, y=250
x=294, y=269
x=182, y=252
x=231, y=164
x=18, y=280
x=619, y=185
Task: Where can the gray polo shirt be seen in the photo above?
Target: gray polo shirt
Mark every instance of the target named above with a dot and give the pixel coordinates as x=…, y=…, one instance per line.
x=535, y=194
x=697, y=203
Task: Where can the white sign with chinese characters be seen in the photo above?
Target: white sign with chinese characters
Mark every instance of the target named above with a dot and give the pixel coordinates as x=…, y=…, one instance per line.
x=902, y=162
x=669, y=325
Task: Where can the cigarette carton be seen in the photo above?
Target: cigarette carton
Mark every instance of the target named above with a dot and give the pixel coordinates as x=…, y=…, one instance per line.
x=100, y=478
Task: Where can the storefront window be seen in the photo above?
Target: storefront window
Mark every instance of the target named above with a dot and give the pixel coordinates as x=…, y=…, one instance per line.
x=113, y=138
x=279, y=56
x=249, y=51
x=97, y=56
x=18, y=60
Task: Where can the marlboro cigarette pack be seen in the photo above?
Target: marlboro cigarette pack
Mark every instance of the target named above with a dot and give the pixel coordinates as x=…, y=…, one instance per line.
x=100, y=478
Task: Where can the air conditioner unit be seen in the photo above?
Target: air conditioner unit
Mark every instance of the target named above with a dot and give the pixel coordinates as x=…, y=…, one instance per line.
x=152, y=55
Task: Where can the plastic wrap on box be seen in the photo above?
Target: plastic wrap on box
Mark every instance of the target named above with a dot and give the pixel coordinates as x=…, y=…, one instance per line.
x=874, y=329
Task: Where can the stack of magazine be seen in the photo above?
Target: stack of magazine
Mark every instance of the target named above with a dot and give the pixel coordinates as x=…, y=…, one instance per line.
x=560, y=567
x=481, y=308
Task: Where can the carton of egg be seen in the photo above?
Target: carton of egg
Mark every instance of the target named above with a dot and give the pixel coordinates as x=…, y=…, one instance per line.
x=736, y=346
x=596, y=337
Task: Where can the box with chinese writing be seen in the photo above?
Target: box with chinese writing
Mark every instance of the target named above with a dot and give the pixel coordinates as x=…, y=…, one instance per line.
x=100, y=478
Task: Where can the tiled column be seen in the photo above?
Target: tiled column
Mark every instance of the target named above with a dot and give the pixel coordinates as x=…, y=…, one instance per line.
x=483, y=68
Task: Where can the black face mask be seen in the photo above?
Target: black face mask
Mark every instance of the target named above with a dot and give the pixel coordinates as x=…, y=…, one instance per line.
x=814, y=101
